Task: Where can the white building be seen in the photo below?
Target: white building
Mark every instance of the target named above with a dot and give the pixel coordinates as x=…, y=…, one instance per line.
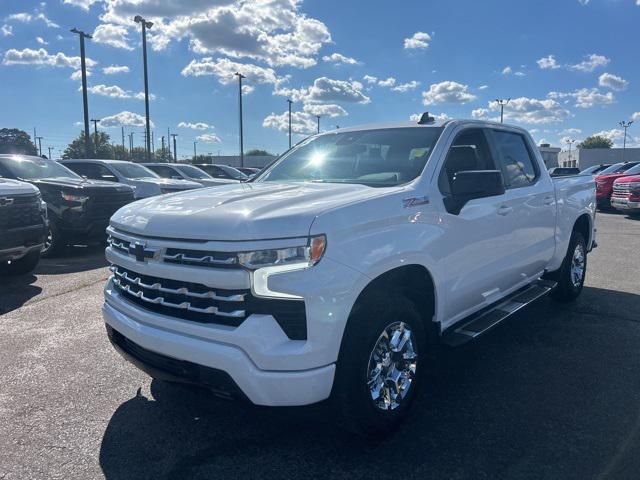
x=587, y=157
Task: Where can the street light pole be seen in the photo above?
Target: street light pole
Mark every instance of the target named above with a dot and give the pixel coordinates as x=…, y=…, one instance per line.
x=502, y=102
x=240, y=77
x=145, y=25
x=570, y=142
x=624, y=125
x=49, y=152
x=39, y=145
x=85, y=102
x=318, y=118
x=289, y=102
x=195, y=152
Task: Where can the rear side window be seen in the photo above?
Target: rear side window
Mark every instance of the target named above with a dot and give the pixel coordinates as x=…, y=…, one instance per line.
x=518, y=166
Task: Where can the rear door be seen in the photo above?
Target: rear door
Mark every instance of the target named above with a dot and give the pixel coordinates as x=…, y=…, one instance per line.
x=529, y=202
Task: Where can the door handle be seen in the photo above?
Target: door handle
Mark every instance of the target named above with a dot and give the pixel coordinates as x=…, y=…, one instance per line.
x=505, y=210
x=549, y=200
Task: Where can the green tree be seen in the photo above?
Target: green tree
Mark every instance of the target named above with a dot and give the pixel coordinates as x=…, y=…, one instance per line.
x=595, y=141
x=13, y=140
x=258, y=153
x=99, y=144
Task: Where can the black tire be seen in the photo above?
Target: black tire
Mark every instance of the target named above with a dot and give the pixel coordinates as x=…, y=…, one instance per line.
x=569, y=288
x=351, y=394
x=53, y=242
x=22, y=266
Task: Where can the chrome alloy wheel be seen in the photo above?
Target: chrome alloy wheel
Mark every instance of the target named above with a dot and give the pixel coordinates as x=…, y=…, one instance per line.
x=577, y=265
x=392, y=366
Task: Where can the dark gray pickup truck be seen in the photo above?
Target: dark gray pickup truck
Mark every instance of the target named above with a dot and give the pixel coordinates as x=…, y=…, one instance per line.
x=23, y=226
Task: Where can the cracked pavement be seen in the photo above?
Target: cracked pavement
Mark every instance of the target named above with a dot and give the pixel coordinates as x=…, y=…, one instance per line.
x=554, y=393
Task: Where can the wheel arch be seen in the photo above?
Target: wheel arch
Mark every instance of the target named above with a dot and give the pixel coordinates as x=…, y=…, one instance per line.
x=583, y=226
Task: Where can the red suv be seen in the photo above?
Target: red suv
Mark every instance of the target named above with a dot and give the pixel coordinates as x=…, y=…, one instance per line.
x=604, y=180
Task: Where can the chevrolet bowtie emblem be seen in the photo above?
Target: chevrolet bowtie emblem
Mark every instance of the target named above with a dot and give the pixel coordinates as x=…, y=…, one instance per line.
x=5, y=201
x=137, y=249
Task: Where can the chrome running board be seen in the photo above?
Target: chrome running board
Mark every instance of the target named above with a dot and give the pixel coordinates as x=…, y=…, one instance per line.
x=483, y=321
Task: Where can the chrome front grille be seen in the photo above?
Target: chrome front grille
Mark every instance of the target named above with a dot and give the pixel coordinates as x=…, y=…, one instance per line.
x=190, y=301
x=621, y=188
x=180, y=256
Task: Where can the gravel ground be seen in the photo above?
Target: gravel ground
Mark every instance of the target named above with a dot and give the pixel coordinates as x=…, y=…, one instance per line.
x=554, y=393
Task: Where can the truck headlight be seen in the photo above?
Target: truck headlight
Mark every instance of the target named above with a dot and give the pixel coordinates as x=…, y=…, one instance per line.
x=303, y=256
x=634, y=186
x=43, y=208
x=70, y=197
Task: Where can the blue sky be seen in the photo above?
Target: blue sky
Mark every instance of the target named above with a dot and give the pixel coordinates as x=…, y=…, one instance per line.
x=570, y=66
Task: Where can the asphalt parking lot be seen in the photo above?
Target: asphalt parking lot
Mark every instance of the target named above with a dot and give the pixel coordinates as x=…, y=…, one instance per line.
x=552, y=394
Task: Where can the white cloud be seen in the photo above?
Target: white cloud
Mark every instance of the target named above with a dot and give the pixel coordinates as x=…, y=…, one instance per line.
x=442, y=117
x=590, y=63
x=208, y=138
x=41, y=57
x=548, y=63
x=447, y=92
x=195, y=126
x=338, y=58
x=483, y=87
x=327, y=110
x=140, y=96
x=77, y=75
x=326, y=90
x=224, y=69
x=417, y=40
x=389, y=82
x=370, y=79
x=83, y=4
x=41, y=41
x=406, y=87
x=520, y=74
x=585, y=97
x=613, y=82
x=525, y=110
x=112, y=91
x=7, y=30
x=275, y=32
x=301, y=122
x=570, y=132
x=115, y=69
x=635, y=116
x=25, y=17
x=113, y=35
x=124, y=118
x=507, y=70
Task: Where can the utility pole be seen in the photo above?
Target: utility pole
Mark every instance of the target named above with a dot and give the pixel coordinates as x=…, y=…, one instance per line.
x=289, y=101
x=85, y=102
x=318, y=118
x=240, y=77
x=39, y=139
x=195, y=153
x=624, y=125
x=175, y=149
x=153, y=144
x=49, y=152
x=95, y=132
x=162, y=146
x=35, y=135
x=570, y=142
x=131, y=145
x=169, y=143
x=124, y=152
x=502, y=102
x=145, y=25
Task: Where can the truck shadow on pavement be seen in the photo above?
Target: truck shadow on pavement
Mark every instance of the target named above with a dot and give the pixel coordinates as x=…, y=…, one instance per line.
x=553, y=393
x=14, y=292
x=73, y=259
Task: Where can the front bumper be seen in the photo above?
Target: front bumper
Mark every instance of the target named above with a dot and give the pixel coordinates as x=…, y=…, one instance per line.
x=261, y=387
x=15, y=243
x=621, y=203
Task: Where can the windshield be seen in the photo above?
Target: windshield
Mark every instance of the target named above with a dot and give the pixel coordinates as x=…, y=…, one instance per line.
x=233, y=172
x=617, y=168
x=193, y=172
x=378, y=158
x=132, y=170
x=34, y=168
x=633, y=170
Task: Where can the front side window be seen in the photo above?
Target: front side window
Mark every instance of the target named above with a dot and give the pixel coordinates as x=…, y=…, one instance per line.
x=469, y=151
x=164, y=172
x=517, y=163
x=377, y=158
x=192, y=172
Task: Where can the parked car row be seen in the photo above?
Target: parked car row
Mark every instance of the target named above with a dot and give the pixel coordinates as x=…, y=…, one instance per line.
x=46, y=205
x=618, y=185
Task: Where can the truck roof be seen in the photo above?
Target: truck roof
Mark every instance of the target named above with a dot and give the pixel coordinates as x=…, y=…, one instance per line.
x=434, y=124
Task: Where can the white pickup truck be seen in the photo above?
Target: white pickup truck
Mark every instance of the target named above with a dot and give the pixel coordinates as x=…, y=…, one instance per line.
x=334, y=273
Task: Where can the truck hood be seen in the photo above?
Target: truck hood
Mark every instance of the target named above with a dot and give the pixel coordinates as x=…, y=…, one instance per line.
x=80, y=184
x=164, y=182
x=628, y=179
x=14, y=187
x=245, y=211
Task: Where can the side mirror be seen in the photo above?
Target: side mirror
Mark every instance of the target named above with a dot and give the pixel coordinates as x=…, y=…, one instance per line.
x=467, y=185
